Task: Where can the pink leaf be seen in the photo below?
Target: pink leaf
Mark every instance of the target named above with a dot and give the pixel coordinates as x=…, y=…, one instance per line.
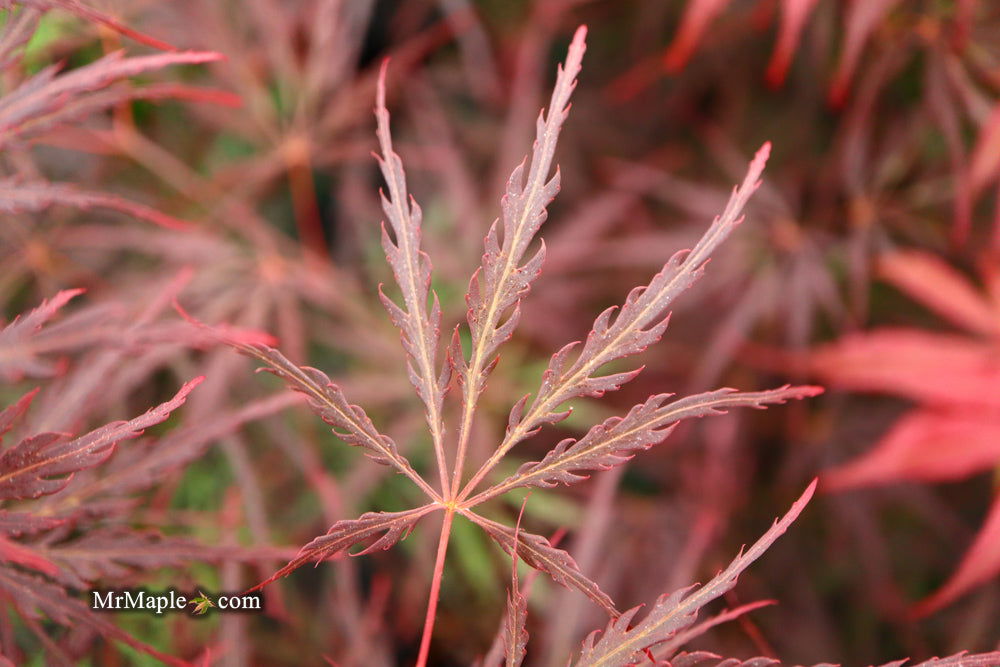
x=12, y=552
x=926, y=444
x=45, y=99
x=985, y=161
x=794, y=14
x=941, y=288
x=698, y=14
x=862, y=18
x=980, y=564
x=89, y=13
x=640, y=322
x=936, y=368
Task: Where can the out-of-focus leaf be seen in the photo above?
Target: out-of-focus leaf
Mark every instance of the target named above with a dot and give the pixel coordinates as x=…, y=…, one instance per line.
x=14, y=552
x=794, y=14
x=698, y=14
x=985, y=161
x=18, y=197
x=89, y=13
x=34, y=597
x=927, y=444
x=34, y=466
x=956, y=431
x=46, y=99
x=928, y=367
x=15, y=524
x=861, y=20
x=17, y=31
x=941, y=288
x=979, y=564
x=15, y=360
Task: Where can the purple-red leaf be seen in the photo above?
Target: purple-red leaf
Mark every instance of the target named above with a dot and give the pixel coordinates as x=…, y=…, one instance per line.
x=963, y=659
x=15, y=524
x=515, y=620
x=686, y=635
x=640, y=323
x=45, y=99
x=537, y=552
x=327, y=400
x=622, y=643
x=16, y=357
x=618, y=439
x=34, y=597
x=90, y=14
x=706, y=659
x=35, y=466
x=420, y=328
x=391, y=526
x=19, y=197
x=515, y=632
x=500, y=282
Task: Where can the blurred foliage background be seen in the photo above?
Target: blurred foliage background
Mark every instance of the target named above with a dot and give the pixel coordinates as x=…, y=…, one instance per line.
x=886, y=134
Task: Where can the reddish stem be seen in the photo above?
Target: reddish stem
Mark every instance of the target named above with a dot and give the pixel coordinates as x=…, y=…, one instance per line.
x=304, y=203
x=432, y=601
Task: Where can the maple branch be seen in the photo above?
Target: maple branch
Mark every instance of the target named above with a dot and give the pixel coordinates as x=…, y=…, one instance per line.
x=419, y=329
x=500, y=282
x=640, y=323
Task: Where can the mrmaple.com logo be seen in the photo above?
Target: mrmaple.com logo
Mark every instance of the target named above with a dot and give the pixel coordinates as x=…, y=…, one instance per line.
x=172, y=601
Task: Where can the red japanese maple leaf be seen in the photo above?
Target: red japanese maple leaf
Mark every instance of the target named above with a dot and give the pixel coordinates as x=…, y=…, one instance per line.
x=954, y=430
